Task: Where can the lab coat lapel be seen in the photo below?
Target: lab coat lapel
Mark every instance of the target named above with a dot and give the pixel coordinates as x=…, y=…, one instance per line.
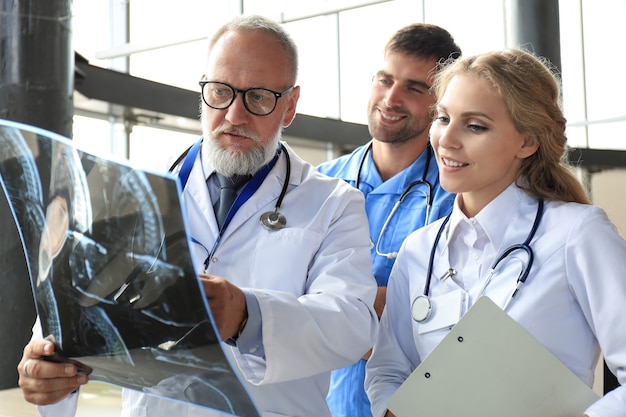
x=441, y=264
x=441, y=267
x=264, y=199
x=199, y=209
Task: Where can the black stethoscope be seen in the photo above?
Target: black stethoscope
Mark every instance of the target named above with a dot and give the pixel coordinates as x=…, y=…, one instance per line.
x=422, y=306
x=271, y=220
x=275, y=220
x=423, y=181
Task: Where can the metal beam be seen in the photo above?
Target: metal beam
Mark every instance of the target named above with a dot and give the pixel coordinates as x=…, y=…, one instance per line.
x=120, y=88
x=596, y=160
x=144, y=95
x=328, y=130
x=141, y=96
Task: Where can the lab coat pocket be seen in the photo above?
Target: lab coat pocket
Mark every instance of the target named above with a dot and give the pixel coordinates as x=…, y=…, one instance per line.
x=446, y=312
x=282, y=259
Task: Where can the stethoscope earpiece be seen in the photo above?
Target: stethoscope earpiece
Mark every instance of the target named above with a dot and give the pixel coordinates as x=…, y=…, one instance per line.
x=273, y=220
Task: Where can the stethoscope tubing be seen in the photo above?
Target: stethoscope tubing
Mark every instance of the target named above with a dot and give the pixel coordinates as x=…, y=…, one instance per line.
x=521, y=279
x=407, y=190
x=270, y=220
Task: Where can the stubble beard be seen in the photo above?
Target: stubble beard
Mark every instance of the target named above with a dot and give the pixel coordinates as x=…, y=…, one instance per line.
x=404, y=133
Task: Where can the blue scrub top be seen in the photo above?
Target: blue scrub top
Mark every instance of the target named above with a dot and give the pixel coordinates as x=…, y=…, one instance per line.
x=380, y=198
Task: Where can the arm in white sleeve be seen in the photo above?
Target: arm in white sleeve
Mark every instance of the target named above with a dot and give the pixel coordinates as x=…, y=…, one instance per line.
x=394, y=356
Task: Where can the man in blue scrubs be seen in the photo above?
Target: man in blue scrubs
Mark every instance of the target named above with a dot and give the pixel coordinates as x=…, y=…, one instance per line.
x=396, y=172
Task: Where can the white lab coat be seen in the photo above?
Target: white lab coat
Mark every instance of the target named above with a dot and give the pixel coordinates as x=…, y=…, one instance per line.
x=573, y=301
x=312, y=279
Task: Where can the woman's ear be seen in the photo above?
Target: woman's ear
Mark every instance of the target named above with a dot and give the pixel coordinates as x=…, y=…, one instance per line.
x=529, y=147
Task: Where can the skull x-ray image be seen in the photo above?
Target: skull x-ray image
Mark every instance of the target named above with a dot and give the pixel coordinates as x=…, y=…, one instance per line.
x=111, y=272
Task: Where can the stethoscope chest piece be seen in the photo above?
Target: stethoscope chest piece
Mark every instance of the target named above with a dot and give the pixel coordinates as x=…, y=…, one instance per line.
x=421, y=308
x=273, y=220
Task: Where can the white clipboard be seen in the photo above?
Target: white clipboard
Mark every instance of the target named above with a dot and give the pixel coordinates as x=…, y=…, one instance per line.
x=490, y=366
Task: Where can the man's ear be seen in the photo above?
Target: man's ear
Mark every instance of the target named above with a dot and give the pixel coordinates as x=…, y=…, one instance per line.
x=292, y=98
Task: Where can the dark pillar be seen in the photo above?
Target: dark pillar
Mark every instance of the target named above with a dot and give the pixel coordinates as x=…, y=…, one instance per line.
x=17, y=308
x=534, y=25
x=37, y=63
x=36, y=87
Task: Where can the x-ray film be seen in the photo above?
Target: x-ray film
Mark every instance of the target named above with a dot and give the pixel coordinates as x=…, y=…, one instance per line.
x=111, y=271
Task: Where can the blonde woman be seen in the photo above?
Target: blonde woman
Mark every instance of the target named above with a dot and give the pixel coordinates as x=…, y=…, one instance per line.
x=499, y=140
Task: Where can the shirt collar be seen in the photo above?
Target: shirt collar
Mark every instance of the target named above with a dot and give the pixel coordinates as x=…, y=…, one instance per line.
x=495, y=217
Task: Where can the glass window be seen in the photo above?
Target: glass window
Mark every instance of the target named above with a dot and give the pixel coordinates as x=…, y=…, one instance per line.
x=363, y=33
x=603, y=27
x=92, y=135
x=90, y=28
x=590, y=96
x=180, y=66
x=477, y=26
x=572, y=60
x=316, y=39
x=576, y=135
x=607, y=135
x=156, y=149
x=269, y=8
x=182, y=31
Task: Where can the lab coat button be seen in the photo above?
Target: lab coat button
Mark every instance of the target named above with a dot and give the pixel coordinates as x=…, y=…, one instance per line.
x=214, y=259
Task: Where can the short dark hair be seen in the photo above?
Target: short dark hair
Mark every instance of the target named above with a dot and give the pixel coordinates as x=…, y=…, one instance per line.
x=424, y=41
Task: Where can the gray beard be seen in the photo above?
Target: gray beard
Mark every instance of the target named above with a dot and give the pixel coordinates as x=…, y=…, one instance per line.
x=229, y=163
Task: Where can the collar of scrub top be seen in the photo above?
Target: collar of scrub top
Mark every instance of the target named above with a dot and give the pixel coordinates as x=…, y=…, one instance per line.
x=368, y=150
x=249, y=189
x=429, y=155
x=423, y=181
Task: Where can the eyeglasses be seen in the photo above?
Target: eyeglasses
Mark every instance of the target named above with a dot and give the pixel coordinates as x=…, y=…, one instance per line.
x=258, y=101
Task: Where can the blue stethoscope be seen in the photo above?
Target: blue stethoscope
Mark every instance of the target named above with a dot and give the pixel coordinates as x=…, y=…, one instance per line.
x=423, y=181
x=421, y=307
